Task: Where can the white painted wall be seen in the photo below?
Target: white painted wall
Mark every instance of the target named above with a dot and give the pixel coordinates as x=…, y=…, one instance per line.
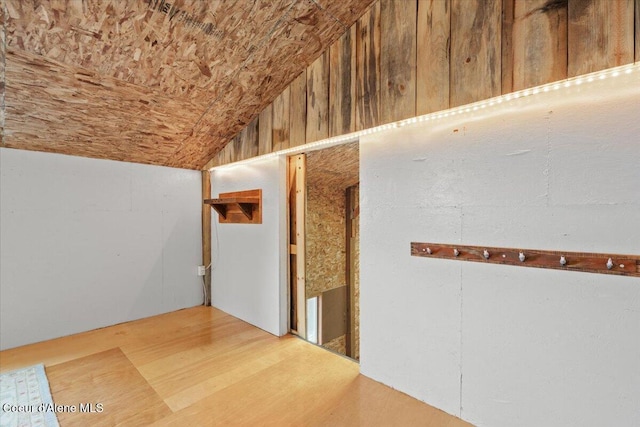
x=501, y=345
x=249, y=264
x=87, y=243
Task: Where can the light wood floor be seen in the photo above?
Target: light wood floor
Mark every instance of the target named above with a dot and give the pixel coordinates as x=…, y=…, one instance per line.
x=200, y=366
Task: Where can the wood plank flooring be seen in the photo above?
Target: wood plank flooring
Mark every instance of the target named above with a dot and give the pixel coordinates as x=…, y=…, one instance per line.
x=201, y=367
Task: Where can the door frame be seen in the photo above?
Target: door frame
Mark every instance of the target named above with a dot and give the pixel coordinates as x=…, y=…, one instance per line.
x=296, y=215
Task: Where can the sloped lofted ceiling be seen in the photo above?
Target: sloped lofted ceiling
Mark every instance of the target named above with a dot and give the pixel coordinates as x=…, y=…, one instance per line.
x=153, y=81
x=336, y=167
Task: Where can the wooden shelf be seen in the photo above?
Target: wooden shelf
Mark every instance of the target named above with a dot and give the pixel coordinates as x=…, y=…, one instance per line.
x=622, y=265
x=241, y=207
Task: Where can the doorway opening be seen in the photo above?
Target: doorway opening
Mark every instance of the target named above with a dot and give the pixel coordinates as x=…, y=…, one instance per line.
x=324, y=247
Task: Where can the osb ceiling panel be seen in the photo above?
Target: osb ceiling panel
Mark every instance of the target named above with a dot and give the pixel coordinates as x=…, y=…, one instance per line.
x=334, y=167
x=153, y=81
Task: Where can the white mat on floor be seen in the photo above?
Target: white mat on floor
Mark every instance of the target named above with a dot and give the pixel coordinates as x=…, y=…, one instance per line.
x=25, y=399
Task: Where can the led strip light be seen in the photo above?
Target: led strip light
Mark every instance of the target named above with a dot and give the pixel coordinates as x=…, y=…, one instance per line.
x=464, y=109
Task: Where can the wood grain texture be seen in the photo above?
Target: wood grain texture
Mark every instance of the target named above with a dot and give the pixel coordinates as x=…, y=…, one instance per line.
x=342, y=84
x=304, y=28
x=345, y=11
x=195, y=72
x=206, y=234
x=337, y=345
x=433, y=56
x=469, y=50
x=236, y=154
x=298, y=110
x=325, y=239
x=281, y=116
x=238, y=207
x=475, y=50
x=265, y=130
x=201, y=366
x=352, y=204
x=317, y=118
x=355, y=273
x=637, y=26
x=506, y=60
x=50, y=107
x=292, y=243
x=539, y=42
x=108, y=378
x=368, y=69
x=249, y=140
x=397, y=66
x=300, y=240
x=228, y=153
x=329, y=173
x=622, y=265
x=334, y=166
x=134, y=41
x=600, y=34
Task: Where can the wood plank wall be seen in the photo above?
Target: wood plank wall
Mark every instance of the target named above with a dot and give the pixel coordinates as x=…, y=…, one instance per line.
x=404, y=58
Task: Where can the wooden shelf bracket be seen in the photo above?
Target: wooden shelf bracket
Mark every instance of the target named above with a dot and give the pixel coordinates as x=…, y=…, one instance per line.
x=241, y=207
x=622, y=265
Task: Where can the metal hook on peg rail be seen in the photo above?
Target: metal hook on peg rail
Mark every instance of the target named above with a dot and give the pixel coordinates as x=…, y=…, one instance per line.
x=602, y=263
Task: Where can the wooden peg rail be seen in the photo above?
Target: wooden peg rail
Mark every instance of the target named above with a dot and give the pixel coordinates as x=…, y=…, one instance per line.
x=623, y=265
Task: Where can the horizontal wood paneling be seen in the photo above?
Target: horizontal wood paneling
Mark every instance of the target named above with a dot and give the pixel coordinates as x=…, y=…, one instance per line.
x=413, y=57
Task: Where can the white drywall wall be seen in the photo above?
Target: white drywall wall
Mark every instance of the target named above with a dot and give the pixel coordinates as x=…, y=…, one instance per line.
x=502, y=345
x=87, y=243
x=248, y=275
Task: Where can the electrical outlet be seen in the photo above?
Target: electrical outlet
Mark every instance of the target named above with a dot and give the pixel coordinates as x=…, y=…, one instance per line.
x=201, y=270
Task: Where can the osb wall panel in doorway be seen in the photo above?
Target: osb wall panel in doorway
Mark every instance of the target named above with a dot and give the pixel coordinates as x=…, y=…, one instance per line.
x=356, y=275
x=325, y=239
x=329, y=173
x=339, y=345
